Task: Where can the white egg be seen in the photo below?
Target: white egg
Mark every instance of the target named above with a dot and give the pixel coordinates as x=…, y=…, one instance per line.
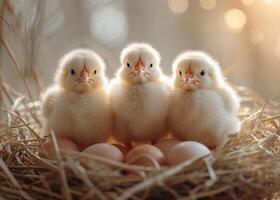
x=137, y=155
x=166, y=144
x=122, y=148
x=185, y=151
x=105, y=150
x=47, y=148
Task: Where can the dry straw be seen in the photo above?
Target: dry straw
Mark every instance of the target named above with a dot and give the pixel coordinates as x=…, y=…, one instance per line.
x=248, y=167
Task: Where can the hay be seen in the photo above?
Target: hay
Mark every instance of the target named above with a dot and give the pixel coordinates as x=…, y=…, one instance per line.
x=248, y=167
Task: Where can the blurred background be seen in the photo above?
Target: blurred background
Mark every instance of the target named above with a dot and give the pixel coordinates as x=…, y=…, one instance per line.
x=243, y=35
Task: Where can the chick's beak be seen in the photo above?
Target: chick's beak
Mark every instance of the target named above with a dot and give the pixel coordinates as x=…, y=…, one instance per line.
x=188, y=78
x=139, y=67
x=85, y=76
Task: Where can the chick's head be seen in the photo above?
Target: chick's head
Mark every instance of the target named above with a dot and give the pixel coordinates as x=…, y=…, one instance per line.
x=196, y=70
x=81, y=70
x=140, y=64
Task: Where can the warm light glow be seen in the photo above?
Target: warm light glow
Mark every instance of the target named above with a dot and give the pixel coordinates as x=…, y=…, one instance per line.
x=235, y=19
x=268, y=1
x=178, y=6
x=207, y=4
x=109, y=25
x=248, y=2
x=277, y=48
x=256, y=36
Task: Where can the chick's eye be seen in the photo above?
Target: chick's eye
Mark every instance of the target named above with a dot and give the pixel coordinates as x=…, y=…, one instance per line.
x=202, y=73
x=180, y=72
x=151, y=65
x=72, y=71
x=127, y=64
x=95, y=72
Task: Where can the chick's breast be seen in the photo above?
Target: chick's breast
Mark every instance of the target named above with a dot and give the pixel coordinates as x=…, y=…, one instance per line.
x=140, y=111
x=199, y=116
x=84, y=118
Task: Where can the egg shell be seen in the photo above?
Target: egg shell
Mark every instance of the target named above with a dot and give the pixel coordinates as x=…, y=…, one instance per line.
x=166, y=144
x=137, y=155
x=122, y=148
x=47, y=148
x=185, y=151
x=138, y=143
x=105, y=150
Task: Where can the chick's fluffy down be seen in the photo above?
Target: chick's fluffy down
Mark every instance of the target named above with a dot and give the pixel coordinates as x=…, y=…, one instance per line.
x=139, y=96
x=203, y=105
x=140, y=111
x=76, y=106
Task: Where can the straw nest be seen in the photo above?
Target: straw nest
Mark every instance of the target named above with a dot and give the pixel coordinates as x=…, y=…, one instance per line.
x=248, y=167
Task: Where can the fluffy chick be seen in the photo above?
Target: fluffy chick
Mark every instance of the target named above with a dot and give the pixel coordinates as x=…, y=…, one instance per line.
x=139, y=96
x=203, y=106
x=76, y=106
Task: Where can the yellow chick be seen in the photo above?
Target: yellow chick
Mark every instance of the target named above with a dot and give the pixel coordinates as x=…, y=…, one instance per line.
x=76, y=106
x=203, y=105
x=139, y=96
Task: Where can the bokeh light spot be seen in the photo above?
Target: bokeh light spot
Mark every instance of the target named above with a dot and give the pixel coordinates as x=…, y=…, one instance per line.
x=268, y=1
x=207, y=4
x=109, y=25
x=178, y=6
x=248, y=2
x=256, y=36
x=235, y=19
